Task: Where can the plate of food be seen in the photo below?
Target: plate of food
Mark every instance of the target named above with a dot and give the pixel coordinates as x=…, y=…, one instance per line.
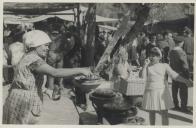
x=90, y=78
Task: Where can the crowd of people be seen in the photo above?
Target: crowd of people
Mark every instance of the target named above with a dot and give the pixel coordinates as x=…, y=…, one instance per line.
x=161, y=56
x=165, y=42
x=177, y=50
x=32, y=55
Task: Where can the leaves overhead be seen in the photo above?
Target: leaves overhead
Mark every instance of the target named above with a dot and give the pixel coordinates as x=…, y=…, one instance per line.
x=158, y=11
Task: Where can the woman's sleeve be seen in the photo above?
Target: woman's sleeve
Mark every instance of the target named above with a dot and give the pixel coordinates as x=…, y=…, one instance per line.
x=36, y=64
x=171, y=72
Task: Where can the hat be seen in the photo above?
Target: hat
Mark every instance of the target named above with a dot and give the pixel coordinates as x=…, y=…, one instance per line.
x=178, y=39
x=187, y=30
x=35, y=38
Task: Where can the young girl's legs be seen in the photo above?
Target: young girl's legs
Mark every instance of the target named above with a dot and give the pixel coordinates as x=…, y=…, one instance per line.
x=152, y=117
x=164, y=116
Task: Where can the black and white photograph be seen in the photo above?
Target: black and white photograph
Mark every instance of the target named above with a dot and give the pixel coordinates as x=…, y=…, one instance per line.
x=93, y=63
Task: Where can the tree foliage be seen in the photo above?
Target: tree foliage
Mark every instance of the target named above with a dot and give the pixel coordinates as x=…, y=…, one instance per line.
x=140, y=13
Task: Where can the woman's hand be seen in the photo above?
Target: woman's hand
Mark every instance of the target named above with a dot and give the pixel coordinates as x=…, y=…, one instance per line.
x=143, y=73
x=146, y=62
x=86, y=71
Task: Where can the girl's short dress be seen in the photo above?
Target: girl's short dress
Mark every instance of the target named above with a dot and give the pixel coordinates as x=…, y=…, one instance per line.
x=156, y=95
x=24, y=101
x=119, y=70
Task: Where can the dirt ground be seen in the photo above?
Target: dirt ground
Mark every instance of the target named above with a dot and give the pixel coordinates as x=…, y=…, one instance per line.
x=64, y=112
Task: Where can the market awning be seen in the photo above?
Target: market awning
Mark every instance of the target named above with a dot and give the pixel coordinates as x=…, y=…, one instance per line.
x=12, y=19
x=63, y=15
x=105, y=19
x=83, y=11
x=64, y=11
x=35, y=8
x=45, y=17
x=70, y=18
x=107, y=27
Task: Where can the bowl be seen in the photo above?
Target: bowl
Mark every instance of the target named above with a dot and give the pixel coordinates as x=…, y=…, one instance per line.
x=87, y=85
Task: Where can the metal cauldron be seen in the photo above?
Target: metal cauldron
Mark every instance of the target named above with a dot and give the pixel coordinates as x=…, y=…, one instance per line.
x=105, y=106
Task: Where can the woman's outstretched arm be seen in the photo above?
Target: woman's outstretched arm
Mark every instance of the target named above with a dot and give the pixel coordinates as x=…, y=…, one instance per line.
x=61, y=72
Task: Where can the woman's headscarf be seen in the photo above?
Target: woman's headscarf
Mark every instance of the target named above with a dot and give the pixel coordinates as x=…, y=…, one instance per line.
x=35, y=38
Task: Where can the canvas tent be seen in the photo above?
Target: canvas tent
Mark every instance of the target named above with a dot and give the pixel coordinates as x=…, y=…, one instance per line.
x=12, y=19
x=65, y=11
x=70, y=18
x=65, y=15
x=107, y=27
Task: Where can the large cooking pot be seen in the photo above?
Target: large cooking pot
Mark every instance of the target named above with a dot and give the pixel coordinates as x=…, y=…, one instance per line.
x=119, y=105
x=111, y=105
x=113, y=108
x=102, y=96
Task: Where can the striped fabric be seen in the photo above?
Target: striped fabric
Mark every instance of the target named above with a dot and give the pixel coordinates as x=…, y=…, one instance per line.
x=24, y=101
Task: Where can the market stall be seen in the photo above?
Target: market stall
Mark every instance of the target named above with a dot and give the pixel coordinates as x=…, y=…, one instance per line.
x=114, y=104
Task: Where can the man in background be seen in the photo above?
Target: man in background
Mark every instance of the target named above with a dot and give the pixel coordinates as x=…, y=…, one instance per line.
x=189, y=49
x=178, y=62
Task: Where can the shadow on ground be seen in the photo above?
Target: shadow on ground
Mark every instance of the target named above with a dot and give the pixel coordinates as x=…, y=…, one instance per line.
x=177, y=117
x=87, y=118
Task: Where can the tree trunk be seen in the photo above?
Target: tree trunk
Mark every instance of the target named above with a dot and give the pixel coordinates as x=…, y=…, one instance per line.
x=89, y=37
x=142, y=14
x=123, y=29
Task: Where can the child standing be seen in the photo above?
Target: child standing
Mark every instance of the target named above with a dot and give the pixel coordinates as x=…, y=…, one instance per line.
x=156, y=96
x=121, y=68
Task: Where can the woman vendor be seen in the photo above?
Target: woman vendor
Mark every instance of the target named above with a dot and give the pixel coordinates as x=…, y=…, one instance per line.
x=24, y=101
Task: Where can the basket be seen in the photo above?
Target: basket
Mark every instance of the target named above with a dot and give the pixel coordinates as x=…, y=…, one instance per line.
x=132, y=87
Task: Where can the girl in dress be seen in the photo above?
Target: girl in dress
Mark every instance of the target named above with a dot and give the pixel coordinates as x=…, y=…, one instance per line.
x=24, y=101
x=156, y=96
x=121, y=69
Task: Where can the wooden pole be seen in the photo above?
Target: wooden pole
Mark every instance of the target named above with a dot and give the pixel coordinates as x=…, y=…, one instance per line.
x=89, y=37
